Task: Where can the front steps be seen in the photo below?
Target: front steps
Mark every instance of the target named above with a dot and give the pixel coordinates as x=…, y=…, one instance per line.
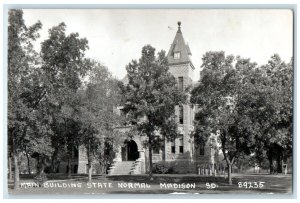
x=122, y=168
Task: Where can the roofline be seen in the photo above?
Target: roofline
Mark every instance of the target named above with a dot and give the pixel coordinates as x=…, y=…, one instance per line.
x=185, y=62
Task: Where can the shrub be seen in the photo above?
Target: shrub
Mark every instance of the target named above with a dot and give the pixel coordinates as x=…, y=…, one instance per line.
x=162, y=168
x=40, y=179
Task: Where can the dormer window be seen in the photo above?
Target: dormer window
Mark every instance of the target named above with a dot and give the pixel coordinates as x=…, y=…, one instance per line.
x=177, y=55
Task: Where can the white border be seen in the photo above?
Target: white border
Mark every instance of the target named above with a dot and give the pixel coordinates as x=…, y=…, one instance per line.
x=3, y=91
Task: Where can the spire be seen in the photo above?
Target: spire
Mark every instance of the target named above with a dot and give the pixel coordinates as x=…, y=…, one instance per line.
x=179, y=30
x=179, y=52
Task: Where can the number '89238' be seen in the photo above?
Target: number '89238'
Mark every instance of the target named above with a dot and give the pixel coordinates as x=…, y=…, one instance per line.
x=249, y=185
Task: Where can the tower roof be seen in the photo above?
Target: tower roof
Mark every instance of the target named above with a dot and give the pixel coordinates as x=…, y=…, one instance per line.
x=179, y=46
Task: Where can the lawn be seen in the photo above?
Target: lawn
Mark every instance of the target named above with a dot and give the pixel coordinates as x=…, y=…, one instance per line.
x=161, y=184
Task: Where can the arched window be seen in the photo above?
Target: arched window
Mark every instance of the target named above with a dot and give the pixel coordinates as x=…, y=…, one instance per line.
x=173, y=147
x=180, y=114
x=180, y=83
x=181, y=143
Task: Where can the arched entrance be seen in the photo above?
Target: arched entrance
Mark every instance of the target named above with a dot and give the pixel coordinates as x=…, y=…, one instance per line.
x=130, y=151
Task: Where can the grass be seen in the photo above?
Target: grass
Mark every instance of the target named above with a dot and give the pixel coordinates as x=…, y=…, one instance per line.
x=274, y=184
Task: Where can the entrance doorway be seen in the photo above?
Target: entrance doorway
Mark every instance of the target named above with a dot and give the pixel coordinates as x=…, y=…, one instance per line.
x=130, y=151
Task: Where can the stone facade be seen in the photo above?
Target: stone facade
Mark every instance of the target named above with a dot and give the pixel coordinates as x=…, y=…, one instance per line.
x=82, y=160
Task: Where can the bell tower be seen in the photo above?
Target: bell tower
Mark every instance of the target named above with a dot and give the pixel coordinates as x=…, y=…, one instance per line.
x=180, y=63
x=182, y=68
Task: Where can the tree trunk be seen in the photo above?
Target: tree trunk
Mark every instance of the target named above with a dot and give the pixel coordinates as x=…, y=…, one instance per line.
x=28, y=163
x=53, y=161
x=228, y=162
x=279, y=162
x=241, y=168
x=16, y=172
x=150, y=158
x=69, y=167
x=69, y=150
x=164, y=149
x=229, y=173
x=90, y=171
x=16, y=166
x=270, y=161
x=38, y=164
x=229, y=166
x=89, y=163
x=271, y=165
x=10, y=168
x=102, y=167
x=42, y=165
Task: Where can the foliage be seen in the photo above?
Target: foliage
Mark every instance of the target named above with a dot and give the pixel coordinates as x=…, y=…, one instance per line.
x=96, y=114
x=219, y=95
x=151, y=93
x=269, y=110
x=22, y=114
x=40, y=179
x=64, y=66
x=59, y=100
x=243, y=104
x=163, y=168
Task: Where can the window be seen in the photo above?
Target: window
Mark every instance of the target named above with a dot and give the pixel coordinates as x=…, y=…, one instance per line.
x=177, y=55
x=180, y=114
x=75, y=152
x=180, y=83
x=201, y=149
x=156, y=145
x=75, y=168
x=181, y=144
x=173, y=147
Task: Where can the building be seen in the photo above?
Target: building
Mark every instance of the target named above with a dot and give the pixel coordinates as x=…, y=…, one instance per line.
x=183, y=154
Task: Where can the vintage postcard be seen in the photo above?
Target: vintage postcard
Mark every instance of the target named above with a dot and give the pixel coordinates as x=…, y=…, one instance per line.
x=150, y=101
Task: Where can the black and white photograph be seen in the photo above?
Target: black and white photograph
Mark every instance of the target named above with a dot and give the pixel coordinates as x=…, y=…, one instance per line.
x=145, y=101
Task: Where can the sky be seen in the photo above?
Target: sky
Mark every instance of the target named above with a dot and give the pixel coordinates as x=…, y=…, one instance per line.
x=116, y=36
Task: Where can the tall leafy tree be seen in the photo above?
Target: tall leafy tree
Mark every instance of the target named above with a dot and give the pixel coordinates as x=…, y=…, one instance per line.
x=96, y=115
x=151, y=93
x=249, y=107
x=64, y=66
x=273, y=112
x=22, y=97
x=222, y=89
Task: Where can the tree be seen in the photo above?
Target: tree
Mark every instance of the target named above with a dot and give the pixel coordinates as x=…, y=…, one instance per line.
x=272, y=113
x=250, y=107
x=219, y=95
x=96, y=115
x=64, y=66
x=22, y=60
x=151, y=93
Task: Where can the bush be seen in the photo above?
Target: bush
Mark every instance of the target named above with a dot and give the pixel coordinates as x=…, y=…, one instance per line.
x=40, y=179
x=162, y=168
